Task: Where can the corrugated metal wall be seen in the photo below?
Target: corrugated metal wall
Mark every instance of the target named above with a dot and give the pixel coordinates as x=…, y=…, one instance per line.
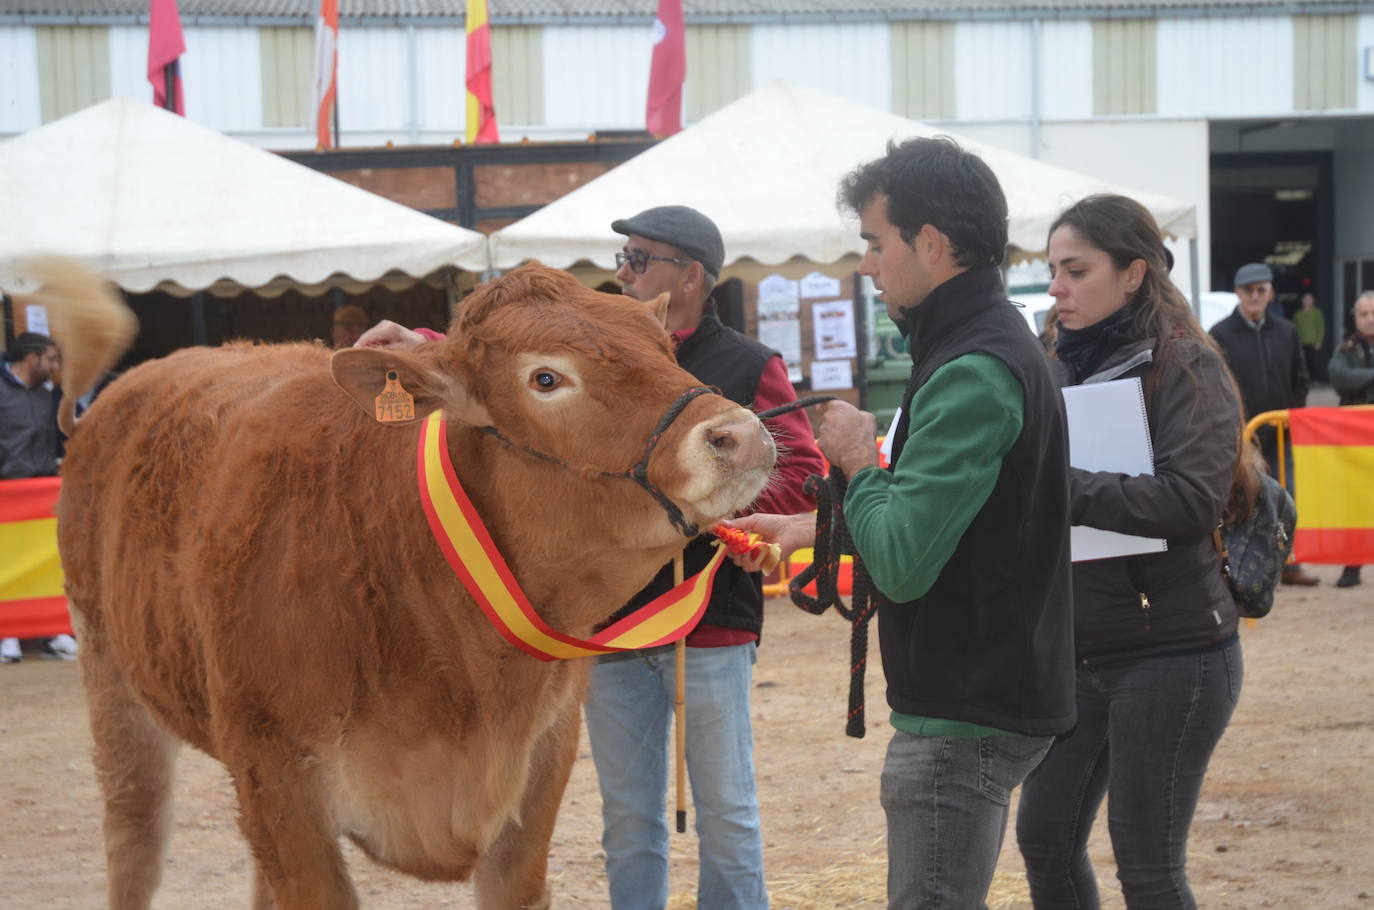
x=596, y=77
x=852, y=60
x=718, y=67
x=129, y=63
x=923, y=70
x=1364, y=38
x=443, y=54
x=73, y=68
x=222, y=69
x=20, y=106
x=374, y=79
x=1325, y=62
x=992, y=70
x=1066, y=69
x=1232, y=66
x=517, y=74
x=288, y=63
x=1123, y=66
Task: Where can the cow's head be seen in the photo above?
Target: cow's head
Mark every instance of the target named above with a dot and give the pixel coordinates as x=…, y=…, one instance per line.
x=585, y=379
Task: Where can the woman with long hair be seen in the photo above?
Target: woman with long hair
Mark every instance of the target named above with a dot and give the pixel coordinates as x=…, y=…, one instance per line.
x=1158, y=658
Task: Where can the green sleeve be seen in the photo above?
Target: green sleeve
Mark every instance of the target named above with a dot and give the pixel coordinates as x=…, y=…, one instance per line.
x=906, y=524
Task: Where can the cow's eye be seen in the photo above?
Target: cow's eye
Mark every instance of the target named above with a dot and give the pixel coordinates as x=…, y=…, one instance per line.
x=545, y=380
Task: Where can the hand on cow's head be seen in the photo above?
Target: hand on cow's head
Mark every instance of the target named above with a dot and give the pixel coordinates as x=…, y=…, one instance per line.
x=363, y=373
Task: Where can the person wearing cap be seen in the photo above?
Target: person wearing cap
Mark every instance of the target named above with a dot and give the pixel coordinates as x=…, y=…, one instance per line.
x=677, y=250
x=1265, y=354
x=350, y=322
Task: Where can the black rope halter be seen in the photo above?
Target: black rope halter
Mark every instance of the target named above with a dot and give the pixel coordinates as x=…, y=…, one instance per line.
x=832, y=542
x=639, y=473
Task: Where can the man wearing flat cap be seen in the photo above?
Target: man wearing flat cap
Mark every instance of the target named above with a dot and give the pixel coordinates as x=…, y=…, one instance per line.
x=1266, y=356
x=678, y=250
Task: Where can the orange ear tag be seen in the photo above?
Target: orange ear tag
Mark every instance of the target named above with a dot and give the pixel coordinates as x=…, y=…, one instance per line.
x=394, y=403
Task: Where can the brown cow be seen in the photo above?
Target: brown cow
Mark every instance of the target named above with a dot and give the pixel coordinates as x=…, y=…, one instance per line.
x=250, y=571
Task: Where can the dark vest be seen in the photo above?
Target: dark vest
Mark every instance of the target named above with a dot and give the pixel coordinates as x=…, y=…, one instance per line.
x=992, y=641
x=719, y=356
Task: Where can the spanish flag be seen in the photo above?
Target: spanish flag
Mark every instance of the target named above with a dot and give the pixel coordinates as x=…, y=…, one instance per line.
x=481, y=108
x=31, y=600
x=1333, y=463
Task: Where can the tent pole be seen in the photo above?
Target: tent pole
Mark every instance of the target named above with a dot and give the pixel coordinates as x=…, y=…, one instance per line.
x=861, y=316
x=1194, y=272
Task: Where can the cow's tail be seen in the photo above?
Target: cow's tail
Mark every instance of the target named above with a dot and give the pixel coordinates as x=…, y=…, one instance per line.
x=89, y=320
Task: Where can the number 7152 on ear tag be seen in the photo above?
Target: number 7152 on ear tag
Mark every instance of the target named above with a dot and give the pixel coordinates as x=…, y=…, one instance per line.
x=394, y=403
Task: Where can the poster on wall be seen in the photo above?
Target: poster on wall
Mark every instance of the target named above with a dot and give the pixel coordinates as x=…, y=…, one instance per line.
x=832, y=374
x=818, y=285
x=784, y=336
x=778, y=298
x=833, y=321
x=36, y=315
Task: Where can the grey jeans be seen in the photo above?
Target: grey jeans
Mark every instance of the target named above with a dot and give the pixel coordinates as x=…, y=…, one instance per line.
x=947, y=802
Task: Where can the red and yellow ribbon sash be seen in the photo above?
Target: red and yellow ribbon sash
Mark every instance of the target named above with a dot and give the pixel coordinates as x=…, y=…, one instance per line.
x=472, y=554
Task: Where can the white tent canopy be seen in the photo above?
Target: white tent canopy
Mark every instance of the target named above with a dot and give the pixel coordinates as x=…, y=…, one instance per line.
x=766, y=169
x=153, y=200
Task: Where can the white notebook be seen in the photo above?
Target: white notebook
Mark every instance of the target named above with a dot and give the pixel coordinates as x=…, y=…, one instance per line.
x=1108, y=431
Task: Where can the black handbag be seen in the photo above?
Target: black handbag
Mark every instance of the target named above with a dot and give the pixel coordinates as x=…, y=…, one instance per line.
x=1254, y=551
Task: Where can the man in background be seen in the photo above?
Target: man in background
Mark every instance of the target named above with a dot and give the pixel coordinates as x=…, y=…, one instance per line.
x=1311, y=326
x=29, y=441
x=1352, y=377
x=1266, y=357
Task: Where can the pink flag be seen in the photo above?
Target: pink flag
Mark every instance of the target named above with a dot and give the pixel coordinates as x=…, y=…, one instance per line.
x=165, y=45
x=663, y=114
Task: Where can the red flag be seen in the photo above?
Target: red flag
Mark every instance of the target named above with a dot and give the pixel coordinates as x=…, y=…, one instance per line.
x=663, y=115
x=165, y=45
x=324, y=89
x=481, y=109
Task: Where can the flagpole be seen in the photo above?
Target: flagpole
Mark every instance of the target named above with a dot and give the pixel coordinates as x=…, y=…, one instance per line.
x=169, y=98
x=336, y=112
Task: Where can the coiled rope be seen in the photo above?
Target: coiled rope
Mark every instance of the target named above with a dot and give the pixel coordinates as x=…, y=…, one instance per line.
x=832, y=542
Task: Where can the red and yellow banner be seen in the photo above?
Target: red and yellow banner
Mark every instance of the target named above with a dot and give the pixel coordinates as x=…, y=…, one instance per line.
x=472, y=554
x=481, y=108
x=1333, y=463
x=32, y=603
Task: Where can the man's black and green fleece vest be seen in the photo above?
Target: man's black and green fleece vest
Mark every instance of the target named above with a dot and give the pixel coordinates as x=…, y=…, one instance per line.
x=991, y=643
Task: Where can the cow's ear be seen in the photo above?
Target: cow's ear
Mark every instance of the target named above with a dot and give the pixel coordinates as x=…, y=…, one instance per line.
x=658, y=308
x=364, y=373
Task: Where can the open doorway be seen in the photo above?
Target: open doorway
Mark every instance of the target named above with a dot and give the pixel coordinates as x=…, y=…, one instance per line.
x=1277, y=208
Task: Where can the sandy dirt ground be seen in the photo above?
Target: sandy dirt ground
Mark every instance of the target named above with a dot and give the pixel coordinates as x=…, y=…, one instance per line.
x=1286, y=819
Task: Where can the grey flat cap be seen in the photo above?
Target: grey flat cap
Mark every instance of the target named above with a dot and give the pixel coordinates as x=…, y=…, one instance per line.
x=1252, y=272
x=683, y=227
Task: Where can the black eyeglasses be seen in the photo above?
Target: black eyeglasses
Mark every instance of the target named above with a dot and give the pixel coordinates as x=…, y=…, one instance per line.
x=639, y=260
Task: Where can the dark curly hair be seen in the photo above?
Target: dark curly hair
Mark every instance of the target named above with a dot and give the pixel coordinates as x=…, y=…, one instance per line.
x=27, y=343
x=936, y=182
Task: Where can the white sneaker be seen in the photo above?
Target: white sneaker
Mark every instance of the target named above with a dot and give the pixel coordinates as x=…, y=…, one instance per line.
x=61, y=646
x=9, y=651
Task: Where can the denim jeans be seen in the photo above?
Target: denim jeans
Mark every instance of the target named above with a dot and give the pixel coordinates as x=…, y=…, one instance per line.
x=1146, y=730
x=947, y=803
x=629, y=709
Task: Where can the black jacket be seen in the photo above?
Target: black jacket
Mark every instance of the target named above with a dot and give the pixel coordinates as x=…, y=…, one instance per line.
x=1194, y=429
x=718, y=356
x=1352, y=371
x=991, y=642
x=28, y=429
x=1267, y=362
